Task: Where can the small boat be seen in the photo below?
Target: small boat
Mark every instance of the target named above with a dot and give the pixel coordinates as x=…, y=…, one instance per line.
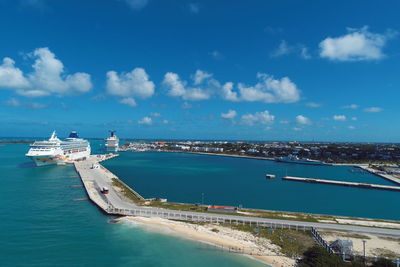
x=297, y=160
x=104, y=190
x=270, y=176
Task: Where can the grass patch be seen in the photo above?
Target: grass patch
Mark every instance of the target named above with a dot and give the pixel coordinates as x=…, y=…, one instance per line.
x=345, y=234
x=385, y=253
x=292, y=243
x=126, y=192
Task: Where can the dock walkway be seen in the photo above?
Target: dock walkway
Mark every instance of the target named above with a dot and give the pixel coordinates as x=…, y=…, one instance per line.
x=342, y=183
x=95, y=178
x=388, y=177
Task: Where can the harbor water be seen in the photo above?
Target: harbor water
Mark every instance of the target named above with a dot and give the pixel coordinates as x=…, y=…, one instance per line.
x=195, y=178
x=44, y=222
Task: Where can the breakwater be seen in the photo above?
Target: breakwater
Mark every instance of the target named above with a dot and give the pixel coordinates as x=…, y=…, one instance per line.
x=342, y=183
x=111, y=203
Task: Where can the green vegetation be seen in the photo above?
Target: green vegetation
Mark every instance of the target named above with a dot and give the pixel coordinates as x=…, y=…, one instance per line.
x=292, y=243
x=317, y=256
x=283, y=215
x=126, y=192
x=383, y=263
x=346, y=234
x=177, y=206
x=386, y=253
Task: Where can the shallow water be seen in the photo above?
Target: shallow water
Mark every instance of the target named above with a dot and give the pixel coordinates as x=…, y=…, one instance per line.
x=42, y=225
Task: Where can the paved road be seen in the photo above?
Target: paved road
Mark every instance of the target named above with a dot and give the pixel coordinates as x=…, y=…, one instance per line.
x=96, y=178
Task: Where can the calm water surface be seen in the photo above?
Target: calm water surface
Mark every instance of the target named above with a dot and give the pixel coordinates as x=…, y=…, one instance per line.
x=41, y=225
x=235, y=181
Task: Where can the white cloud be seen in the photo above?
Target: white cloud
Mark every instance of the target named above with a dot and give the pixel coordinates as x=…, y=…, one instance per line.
x=128, y=101
x=216, y=54
x=47, y=78
x=373, y=109
x=352, y=106
x=35, y=105
x=313, y=105
x=10, y=76
x=267, y=89
x=356, y=45
x=47, y=75
x=351, y=127
x=165, y=121
x=304, y=53
x=136, y=4
x=283, y=49
x=196, y=94
x=186, y=105
x=13, y=102
x=134, y=83
x=229, y=115
x=270, y=90
x=297, y=129
x=194, y=8
x=300, y=119
x=146, y=121
x=200, y=76
x=354, y=118
x=155, y=114
x=339, y=117
x=258, y=118
x=174, y=84
x=228, y=93
x=203, y=81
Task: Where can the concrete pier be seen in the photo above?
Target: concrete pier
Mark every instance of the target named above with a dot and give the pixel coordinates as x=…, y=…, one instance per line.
x=388, y=177
x=112, y=203
x=342, y=183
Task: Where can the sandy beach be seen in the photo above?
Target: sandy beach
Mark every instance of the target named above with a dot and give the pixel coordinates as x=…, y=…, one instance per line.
x=225, y=238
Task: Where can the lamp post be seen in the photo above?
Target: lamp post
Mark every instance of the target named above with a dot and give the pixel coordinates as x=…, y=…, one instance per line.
x=364, y=241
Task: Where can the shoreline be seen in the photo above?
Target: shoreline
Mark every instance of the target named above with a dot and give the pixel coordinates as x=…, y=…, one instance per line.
x=359, y=165
x=224, y=238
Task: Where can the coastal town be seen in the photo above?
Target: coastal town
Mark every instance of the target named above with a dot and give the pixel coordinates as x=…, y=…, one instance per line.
x=381, y=158
x=328, y=152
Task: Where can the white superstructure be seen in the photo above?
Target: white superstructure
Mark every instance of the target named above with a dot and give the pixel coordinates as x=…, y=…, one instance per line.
x=112, y=142
x=56, y=151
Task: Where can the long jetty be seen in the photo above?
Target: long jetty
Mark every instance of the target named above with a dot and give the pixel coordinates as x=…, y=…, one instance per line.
x=342, y=183
x=388, y=177
x=95, y=178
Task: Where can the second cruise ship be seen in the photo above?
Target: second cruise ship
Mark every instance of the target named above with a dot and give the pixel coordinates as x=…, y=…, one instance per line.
x=56, y=151
x=112, y=142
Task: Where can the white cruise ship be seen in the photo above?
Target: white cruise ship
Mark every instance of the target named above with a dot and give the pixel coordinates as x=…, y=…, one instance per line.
x=112, y=142
x=56, y=151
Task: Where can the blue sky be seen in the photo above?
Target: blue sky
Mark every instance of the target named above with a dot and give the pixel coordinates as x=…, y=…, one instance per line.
x=257, y=70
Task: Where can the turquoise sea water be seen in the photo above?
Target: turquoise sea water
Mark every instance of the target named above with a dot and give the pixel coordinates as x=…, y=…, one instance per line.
x=42, y=225
x=183, y=177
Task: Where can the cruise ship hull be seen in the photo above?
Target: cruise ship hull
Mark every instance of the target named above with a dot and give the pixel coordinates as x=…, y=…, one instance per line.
x=46, y=160
x=54, y=160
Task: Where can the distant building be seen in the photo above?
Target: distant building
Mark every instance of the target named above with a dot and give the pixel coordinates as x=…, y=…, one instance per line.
x=222, y=209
